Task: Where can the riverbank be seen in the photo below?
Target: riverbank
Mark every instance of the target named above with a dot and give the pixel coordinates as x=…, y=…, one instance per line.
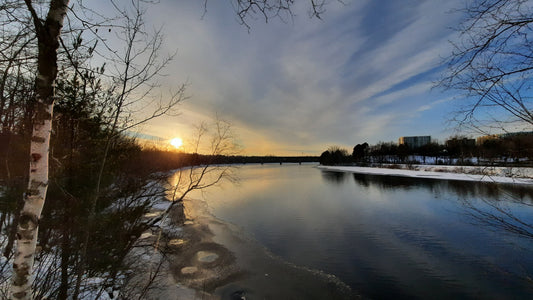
x=252, y=272
x=210, y=259
x=515, y=175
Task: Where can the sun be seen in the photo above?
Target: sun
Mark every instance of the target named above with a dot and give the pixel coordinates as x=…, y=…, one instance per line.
x=176, y=142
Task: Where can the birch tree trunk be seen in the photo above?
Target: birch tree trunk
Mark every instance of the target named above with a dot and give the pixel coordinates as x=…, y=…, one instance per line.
x=48, y=33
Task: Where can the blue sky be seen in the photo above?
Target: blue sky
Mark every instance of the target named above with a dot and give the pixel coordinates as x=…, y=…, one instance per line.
x=364, y=73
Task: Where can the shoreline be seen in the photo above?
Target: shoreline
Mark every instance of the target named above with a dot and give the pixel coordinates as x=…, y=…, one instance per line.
x=501, y=175
x=212, y=259
x=248, y=270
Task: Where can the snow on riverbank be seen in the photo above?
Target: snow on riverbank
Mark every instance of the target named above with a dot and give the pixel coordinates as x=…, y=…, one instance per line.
x=464, y=173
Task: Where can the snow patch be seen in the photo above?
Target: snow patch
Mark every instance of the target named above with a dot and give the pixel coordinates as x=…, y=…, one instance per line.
x=463, y=173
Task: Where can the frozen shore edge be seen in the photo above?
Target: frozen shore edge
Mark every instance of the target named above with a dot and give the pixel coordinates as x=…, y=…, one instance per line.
x=461, y=173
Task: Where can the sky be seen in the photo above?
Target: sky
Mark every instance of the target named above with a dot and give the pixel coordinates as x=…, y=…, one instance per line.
x=365, y=72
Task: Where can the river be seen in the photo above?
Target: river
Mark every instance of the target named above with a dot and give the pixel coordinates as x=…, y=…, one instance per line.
x=388, y=237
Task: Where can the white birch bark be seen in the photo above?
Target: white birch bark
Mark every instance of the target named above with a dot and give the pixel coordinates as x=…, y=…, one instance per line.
x=48, y=37
x=33, y=204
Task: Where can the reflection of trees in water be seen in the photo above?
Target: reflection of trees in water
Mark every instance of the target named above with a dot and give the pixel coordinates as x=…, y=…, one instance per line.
x=509, y=214
x=499, y=215
x=334, y=177
x=390, y=182
x=487, y=204
x=462, y=189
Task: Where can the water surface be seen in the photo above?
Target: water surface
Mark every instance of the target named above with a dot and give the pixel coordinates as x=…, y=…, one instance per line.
x=389, y=237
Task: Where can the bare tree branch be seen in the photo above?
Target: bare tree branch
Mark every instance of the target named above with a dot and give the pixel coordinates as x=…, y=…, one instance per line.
x=492, y=62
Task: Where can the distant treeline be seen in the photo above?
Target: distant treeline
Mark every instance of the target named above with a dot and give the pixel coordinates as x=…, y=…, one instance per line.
x=133, y=158
x=505, y=150
x=267, y=159
x=154, y=160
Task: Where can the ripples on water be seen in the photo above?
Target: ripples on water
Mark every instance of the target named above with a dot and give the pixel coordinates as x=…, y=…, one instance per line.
x=390, y=237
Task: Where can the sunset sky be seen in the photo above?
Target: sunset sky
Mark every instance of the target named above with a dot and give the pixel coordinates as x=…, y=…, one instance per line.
x=364, y=73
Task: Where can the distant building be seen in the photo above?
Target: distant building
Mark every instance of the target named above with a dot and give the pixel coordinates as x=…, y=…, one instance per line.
x=482, y=139
x=414, y=141
x=510, y=135
x=461, y=142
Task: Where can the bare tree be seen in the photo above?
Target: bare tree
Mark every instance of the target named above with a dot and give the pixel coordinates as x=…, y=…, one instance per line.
x=135, y=70
x=134, y=77
x=47, y=32
x=209, y=143
x=16, y=91
x=492, y=63
x=201, y=169
x=269, y=9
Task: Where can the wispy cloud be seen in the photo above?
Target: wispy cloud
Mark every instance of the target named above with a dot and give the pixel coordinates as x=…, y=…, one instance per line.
x=354, y=76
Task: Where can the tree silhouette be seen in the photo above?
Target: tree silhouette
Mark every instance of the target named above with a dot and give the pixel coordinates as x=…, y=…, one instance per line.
x=491, y=63
x=360, y=151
